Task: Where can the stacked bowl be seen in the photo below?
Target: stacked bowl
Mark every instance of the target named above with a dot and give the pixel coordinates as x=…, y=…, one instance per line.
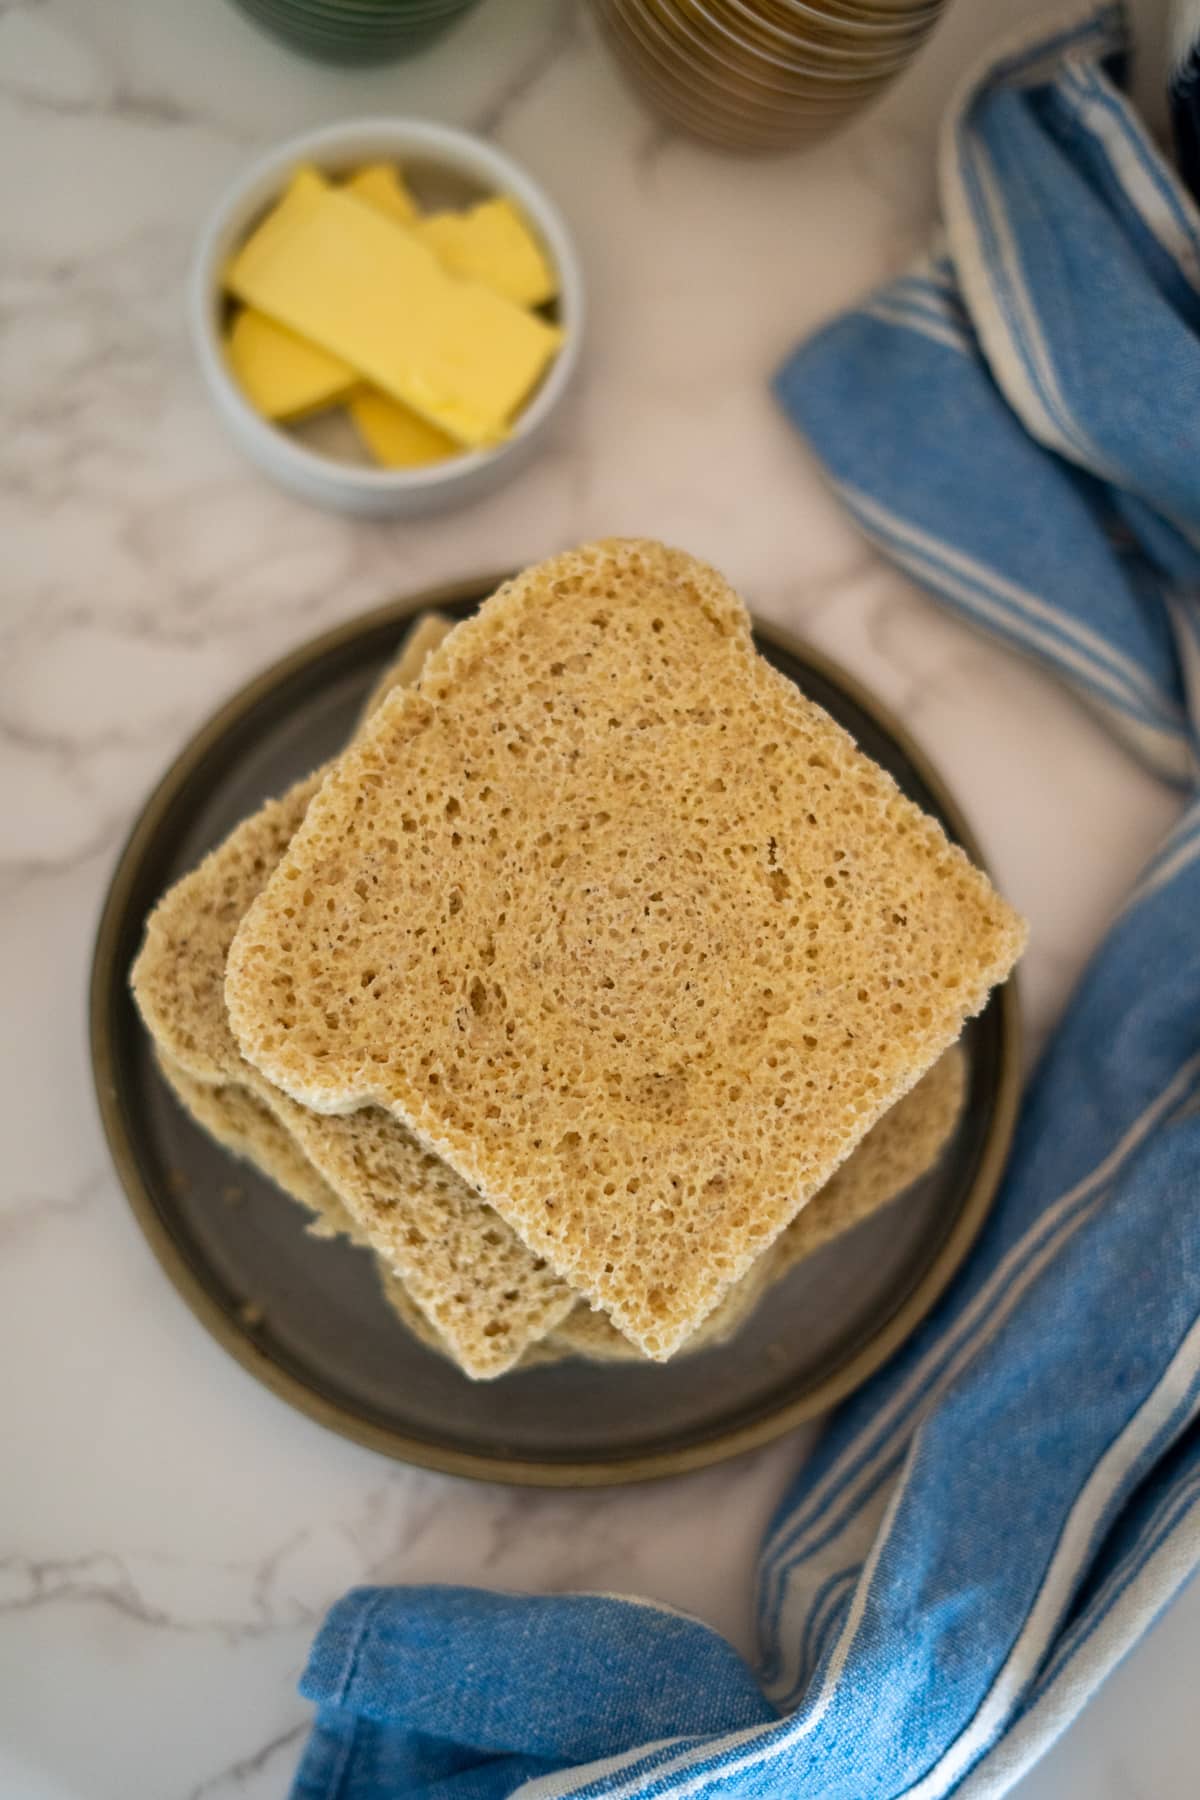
x=763, y=75
x=355, y=31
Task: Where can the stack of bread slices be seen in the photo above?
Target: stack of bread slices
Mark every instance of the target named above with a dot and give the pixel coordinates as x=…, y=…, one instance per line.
x=600, y=980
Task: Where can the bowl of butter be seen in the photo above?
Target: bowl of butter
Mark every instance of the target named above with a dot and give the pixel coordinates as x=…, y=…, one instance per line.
x=387, y=314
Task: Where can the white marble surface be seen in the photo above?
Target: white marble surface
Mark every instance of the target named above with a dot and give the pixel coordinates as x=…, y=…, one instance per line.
x=170, y=1533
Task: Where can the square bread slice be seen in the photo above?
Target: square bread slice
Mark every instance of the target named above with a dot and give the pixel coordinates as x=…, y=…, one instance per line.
x=487, y=1295
x=623, y=926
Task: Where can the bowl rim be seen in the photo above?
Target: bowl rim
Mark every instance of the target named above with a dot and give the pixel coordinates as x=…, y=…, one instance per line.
x=433, y=142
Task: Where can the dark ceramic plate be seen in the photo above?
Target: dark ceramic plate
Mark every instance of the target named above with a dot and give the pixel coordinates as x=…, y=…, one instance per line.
x=306, y=1316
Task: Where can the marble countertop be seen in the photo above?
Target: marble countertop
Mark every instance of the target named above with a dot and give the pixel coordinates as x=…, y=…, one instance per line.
x=169, y=1532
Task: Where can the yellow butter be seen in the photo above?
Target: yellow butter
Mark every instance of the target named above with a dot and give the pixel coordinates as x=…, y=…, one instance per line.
x=283, y=376
x=364, y=289
x=306, y=182
x=393, y=433
x=491, y=243
x=383, y=187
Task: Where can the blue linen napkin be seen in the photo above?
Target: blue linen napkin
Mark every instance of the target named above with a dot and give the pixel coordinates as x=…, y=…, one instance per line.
x=987, y=1527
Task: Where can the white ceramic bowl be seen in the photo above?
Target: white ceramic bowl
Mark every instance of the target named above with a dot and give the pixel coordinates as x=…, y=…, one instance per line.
x=469, y=167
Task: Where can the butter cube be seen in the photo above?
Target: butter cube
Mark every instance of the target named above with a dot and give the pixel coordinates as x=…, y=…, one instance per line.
x=491, y=243
x=283, y=376
x=394, y=434
x=363, y=288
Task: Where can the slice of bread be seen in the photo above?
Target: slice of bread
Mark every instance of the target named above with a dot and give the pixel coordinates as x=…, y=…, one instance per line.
x=899, y=1148
x=483, y=1290
x=894, y=1154
x=623, y=926
x=229, y=1112
x=247, y=1128
x=179, y=976
x=592, y=1335
x=425, y=633
x=486, y=1294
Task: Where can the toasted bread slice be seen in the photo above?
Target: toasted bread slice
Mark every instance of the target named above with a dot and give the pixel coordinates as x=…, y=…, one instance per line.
x=623, y=926
x=486, y=1294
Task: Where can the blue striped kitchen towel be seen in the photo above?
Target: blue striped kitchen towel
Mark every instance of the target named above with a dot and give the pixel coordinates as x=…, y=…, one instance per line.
x=986, y=1528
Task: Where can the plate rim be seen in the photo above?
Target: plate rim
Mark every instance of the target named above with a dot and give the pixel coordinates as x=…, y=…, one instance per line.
x=256, y=1360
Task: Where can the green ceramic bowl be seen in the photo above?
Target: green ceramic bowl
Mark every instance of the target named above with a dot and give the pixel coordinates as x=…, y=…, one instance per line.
x=355, y=31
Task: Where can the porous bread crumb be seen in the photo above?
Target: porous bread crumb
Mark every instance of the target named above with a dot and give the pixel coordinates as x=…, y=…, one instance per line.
x=241, y=1124
x=483, y=1290
x=408, y=1312
x=534, y=1355
x=623, y=926
x=899, y=1148
x=592, y=1335
x=426, y=633
x=911, y=1134
x=894, y=1153
x=179, y=974
x=247, y=1128
x=587, y=1334
x=480, y=1287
